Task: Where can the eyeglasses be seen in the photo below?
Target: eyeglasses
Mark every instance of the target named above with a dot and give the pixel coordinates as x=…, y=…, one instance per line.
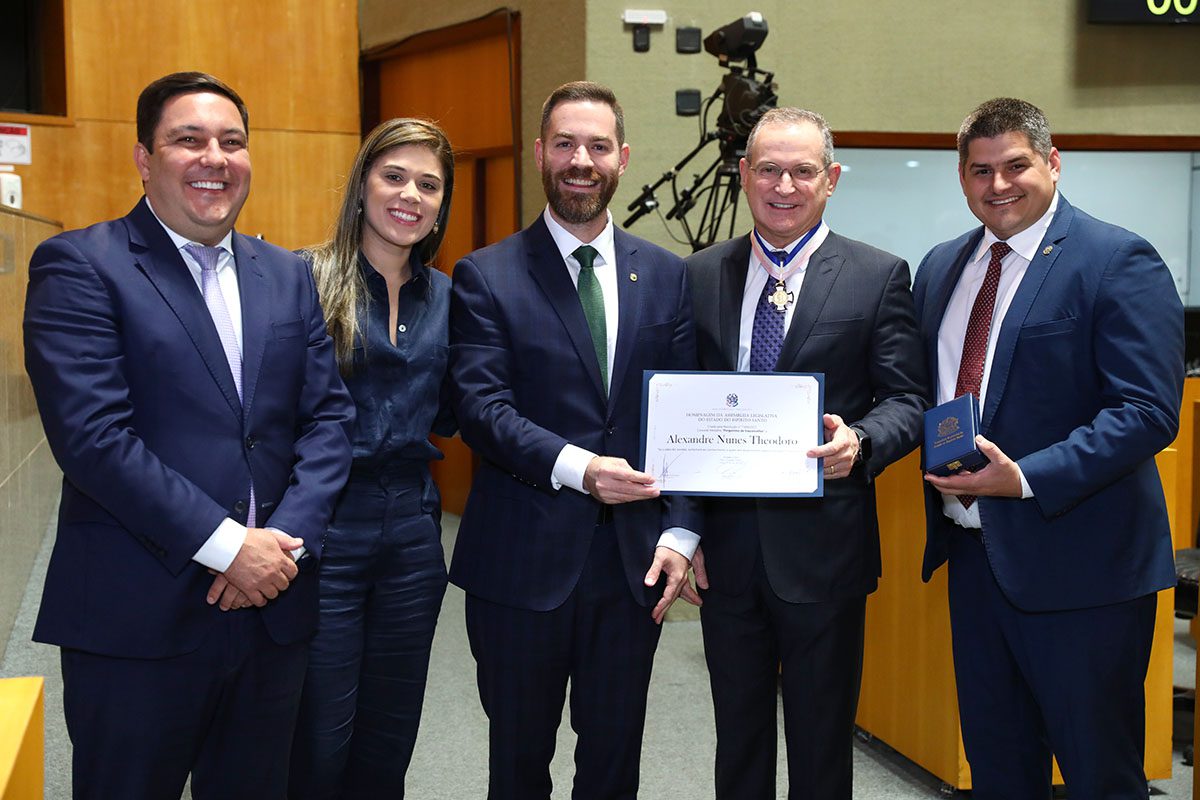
x=772, y=174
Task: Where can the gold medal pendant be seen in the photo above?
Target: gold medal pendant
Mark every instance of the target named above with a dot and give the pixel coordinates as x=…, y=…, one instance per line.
x=781, y=298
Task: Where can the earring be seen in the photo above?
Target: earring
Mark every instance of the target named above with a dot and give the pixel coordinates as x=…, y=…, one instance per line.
x=435, y=229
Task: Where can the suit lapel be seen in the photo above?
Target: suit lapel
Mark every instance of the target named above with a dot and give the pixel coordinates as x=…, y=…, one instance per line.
x=548, y=270
x=1018, y=310
x=155, y=255
x=732, y=288
x=823, y=269
x=939, y=292
x=256, y=313
x=629, y=307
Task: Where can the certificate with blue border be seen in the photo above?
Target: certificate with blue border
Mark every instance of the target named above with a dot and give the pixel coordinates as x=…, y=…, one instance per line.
x=734, y=434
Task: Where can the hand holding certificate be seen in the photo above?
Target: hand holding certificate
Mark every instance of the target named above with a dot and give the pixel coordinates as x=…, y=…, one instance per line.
x=733, y=433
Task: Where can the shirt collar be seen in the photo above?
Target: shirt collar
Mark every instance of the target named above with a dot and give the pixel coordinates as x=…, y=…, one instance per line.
x=820, y=233
x=415, y=266
x=566, y=242
x=1025, y=244
x=181, y=242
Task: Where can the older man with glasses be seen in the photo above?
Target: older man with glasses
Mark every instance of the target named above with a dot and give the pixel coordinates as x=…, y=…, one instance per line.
x=785, y=580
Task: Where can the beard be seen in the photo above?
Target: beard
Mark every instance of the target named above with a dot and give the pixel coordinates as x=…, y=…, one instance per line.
x=578, y=208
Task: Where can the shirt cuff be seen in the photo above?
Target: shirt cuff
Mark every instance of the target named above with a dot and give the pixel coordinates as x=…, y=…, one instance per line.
x=569, y=468
x=1026, y=492
x=296, y=554
x=681, y=540
x=218, y=552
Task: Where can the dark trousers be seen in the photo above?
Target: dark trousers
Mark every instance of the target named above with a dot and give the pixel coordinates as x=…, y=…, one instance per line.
x=604, y=643
x=752, y=642
x=224, y=713
x=382, y=580
x=1029, y=684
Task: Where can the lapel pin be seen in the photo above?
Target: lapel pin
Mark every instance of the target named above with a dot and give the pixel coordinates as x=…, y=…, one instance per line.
x=633, y=277
x=1048, y=250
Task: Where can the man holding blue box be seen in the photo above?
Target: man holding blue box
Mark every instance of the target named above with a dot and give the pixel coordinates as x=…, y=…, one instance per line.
x=1070, y=333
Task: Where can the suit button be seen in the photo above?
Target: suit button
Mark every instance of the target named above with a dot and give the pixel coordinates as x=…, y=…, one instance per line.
x=239, y=507
x=610, y=430
x=250, y=442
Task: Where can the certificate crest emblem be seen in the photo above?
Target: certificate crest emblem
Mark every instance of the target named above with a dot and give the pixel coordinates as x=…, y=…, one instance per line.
x=947, y=426
x=731, y=400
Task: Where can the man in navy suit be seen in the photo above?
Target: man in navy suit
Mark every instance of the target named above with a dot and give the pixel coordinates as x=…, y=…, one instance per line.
x=189, y=392
x=568, y=556
x=1070, y=332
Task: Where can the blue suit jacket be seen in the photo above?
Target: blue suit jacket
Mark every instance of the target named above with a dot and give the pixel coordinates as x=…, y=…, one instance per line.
x=1084, y=390
x=526, y=382
x=141, y=412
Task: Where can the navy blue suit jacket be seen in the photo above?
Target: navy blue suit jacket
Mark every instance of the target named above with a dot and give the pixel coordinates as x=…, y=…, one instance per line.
x=141, y=412
x=1084, y=390
x=526, y=382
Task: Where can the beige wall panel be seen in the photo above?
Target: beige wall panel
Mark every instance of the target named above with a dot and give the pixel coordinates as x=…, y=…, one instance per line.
x=295, y=63
x=297, y=185
x=26, y=501
x=920, y=67
x=28, y=476
x=867, y=66
x=11, y=292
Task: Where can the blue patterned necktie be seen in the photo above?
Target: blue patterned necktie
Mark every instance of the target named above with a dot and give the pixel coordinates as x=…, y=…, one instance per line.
x=766, y=337
x=210, y=287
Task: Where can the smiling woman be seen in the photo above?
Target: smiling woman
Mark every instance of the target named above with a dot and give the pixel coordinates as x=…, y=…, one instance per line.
x=382, y=571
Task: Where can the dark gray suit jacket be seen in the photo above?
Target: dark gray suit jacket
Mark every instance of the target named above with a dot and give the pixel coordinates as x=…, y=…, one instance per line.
x=854, y=322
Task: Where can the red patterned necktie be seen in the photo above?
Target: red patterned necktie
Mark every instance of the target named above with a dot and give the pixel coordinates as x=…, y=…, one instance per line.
x=975, y=344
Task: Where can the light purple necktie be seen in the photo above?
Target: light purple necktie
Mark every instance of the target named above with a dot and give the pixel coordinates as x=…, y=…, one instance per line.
x=210, y=287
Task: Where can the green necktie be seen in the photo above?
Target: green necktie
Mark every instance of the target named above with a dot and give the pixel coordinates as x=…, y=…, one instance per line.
x=592, y=298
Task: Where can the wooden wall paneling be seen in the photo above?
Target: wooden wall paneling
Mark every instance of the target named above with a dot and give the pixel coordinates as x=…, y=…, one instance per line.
x=908, y=697
x=1187, y=510
x=460, y=79
x=80, y=174
x=464, y=87
x=1160, y=673
x=293, y=62
x=501, y=218
x=453, y=474
x=297, y=185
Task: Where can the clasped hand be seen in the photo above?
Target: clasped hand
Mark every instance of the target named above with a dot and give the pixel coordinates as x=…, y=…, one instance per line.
x=262, y=569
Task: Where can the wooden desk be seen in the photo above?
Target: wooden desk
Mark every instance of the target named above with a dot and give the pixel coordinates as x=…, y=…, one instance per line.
x=908, y=695
x=22, y=743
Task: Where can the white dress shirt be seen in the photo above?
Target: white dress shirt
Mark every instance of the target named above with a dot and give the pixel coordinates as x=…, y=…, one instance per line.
x=953, y=330
x=222, y=546
x=573, y=460
x=756, y=281
x=218, y=552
